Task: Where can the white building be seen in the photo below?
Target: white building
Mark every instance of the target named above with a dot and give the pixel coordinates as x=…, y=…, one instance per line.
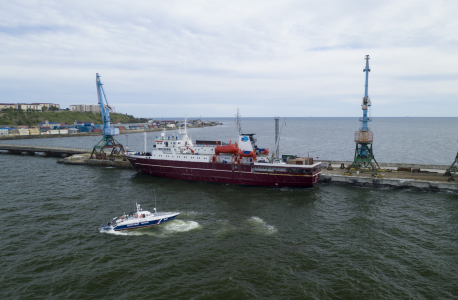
x=3, y=132
x=47, y=105
x=85, y=108
x=30, y=106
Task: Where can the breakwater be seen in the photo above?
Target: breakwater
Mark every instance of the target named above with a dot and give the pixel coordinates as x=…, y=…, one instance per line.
x=47, y=150
x=338, y=163
x=405, y=182
x=424, y=177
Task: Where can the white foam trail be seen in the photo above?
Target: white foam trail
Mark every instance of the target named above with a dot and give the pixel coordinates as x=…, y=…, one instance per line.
x=180, y=226
x=164, y=230
x=124, y=232
x=261, y=226
x=190, y=213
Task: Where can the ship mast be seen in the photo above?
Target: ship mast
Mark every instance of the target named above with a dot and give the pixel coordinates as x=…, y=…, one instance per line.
x=185, y=123
x=239, y=127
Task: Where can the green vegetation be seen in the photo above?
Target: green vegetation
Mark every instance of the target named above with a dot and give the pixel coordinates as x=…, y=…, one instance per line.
x=32, y=118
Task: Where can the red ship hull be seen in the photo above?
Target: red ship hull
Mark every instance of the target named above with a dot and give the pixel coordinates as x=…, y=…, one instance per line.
x=222, y=173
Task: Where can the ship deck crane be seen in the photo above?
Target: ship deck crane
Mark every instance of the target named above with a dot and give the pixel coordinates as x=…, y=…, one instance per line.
x=364, y=155
x=108, y=141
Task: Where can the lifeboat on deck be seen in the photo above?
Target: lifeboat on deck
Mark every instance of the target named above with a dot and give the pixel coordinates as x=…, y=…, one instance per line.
x=226, y=149
x=231, y=149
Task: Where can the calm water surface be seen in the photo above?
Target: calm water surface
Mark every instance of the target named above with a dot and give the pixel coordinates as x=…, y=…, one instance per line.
x=229, y=242
x=402, y=140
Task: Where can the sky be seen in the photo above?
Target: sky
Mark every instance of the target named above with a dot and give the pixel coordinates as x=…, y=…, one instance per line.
x=208, y=58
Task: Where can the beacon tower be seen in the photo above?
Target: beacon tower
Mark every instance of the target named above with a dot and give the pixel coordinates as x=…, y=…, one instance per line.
x=364, y=156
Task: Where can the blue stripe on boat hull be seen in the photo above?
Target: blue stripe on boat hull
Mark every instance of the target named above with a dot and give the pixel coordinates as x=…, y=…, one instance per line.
x=143, y=224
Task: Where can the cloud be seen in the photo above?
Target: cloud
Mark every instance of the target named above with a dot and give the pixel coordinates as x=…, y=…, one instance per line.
x=299, y=58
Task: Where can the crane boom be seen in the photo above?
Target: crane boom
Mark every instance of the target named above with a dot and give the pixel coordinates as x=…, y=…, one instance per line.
x=108, y=141
x=105, y=109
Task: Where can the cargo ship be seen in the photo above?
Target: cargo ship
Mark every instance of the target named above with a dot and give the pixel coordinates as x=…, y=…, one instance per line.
x=240, y=163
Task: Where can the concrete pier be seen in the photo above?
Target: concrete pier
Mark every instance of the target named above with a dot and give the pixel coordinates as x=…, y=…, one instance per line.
x=425, y=178
x=117, y=162
x=30, y=150
x=421, y=185
x=336, y=163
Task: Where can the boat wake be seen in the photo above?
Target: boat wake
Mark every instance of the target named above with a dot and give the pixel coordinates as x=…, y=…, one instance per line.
x=180, y=226
x=255, y=225
x=260, y=226
x=164, y=230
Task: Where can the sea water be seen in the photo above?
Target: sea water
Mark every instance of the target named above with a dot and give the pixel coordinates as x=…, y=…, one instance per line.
x=233, y=242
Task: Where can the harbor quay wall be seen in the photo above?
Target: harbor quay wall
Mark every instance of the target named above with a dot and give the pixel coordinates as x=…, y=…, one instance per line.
x=337, y=164
x=420, y=185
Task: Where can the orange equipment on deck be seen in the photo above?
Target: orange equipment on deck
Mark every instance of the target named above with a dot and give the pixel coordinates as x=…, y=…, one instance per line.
x=226, y=149
x=264, y=151
x=246, y=154
x=231, y=148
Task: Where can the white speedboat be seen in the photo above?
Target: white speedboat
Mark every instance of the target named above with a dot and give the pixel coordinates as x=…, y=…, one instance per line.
x=138, y=219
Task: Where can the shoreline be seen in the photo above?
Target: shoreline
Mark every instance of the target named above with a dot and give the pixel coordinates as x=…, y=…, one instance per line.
x=80, y=134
